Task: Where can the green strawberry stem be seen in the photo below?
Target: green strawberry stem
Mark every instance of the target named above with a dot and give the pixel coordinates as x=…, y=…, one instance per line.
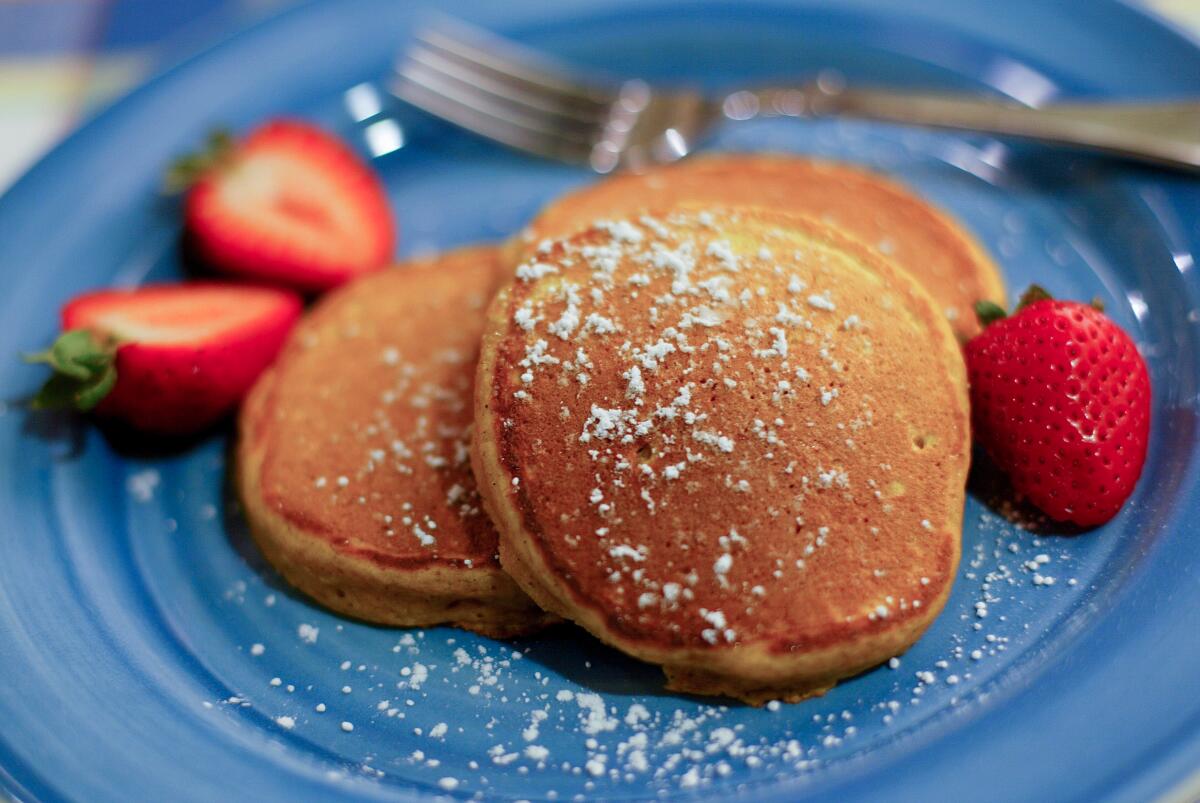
x=187, y=169
x=988, y=312
x=1034, y=294
x=84, y=371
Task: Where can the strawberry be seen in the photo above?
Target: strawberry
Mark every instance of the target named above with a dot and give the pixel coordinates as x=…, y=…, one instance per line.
x=1060, y=400
x=169, y=359
x=289, y=204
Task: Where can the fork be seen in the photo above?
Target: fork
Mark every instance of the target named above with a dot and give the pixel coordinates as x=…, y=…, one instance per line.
x=500, y=91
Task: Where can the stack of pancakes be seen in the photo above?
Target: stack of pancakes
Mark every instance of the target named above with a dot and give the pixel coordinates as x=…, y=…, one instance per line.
x=715, y=414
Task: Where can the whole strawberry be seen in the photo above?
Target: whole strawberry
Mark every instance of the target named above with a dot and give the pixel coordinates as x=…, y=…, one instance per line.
x=1060, y=399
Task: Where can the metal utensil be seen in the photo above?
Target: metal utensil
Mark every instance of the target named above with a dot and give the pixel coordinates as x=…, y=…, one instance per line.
x=505, y=93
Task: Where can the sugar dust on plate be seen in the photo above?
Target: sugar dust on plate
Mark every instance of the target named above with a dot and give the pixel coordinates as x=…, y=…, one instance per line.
x=691, y=746
x=142, y=484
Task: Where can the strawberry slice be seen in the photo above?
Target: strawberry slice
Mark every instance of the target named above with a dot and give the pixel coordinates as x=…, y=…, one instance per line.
x=289, y=204
x=170, y=359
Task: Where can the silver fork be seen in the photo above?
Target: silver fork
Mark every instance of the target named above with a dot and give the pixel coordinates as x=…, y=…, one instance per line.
x=505, y=93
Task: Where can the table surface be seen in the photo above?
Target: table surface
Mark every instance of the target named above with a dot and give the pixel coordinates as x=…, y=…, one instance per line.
x=61, y=60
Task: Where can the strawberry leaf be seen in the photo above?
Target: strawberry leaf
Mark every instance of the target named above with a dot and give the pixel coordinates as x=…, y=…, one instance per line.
x=58, y=393
x=186, y=170
x=84, y=371
x=63, y=354
x=1097, y=304
x=1034, y=294
x=988, y=312
x=77, y=354
x=92, y=392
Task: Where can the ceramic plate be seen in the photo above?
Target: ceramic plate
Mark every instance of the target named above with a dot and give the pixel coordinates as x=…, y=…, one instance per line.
x=149, y=653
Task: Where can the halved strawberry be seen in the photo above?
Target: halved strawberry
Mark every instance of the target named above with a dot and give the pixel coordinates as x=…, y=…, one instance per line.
x=166, y=358
x=289, y=204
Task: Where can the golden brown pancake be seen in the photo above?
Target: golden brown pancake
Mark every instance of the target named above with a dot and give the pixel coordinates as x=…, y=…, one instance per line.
x=931, y=245
x=352, y=463
x=731, y=442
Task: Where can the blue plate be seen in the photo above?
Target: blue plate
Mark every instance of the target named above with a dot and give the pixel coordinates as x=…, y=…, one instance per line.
x=148, y=652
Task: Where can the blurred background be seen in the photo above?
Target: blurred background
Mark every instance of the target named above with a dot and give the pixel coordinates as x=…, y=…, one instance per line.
x=60, y=60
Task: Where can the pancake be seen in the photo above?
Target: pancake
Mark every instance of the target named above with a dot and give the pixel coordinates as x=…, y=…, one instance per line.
x=352, y=464
x=928, y=243
x=731, y=442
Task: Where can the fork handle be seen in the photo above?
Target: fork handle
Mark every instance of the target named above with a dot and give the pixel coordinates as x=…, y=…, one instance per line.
x=1161, y=133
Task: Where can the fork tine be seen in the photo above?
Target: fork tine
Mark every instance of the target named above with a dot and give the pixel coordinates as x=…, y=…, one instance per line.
x=507, y=60
x=502, y=89
x=473, y=97
x=439, y=96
